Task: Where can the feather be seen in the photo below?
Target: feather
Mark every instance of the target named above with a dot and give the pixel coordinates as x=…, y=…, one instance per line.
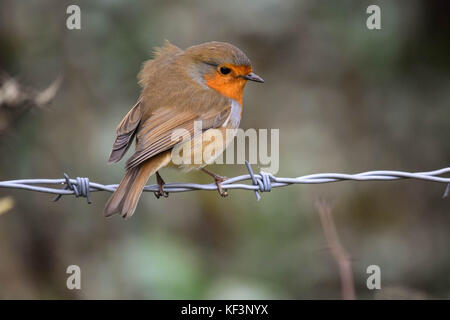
x=125, y=199
x=126, y=130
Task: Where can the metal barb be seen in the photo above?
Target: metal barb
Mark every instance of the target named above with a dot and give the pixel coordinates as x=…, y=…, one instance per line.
x=80, y=189
x=446, y=192
x=255, y=182
x=263, y=181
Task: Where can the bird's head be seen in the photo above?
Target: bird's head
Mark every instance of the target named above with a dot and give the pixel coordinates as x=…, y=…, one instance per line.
x=222, y=67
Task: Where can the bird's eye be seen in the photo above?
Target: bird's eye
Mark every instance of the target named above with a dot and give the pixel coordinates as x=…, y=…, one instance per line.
x=225, y=70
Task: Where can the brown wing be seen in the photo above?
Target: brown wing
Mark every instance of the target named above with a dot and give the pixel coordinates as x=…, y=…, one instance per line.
x=155, y=134
x=126, y=130
x=125, y=133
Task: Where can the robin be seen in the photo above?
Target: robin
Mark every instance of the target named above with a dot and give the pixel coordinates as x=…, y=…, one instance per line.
x=202, y=83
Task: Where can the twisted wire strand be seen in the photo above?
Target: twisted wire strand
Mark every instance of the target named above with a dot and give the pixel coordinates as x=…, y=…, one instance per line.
x=261, y=182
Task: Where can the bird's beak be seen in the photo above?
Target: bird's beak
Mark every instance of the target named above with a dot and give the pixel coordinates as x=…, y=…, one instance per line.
x=253, y=77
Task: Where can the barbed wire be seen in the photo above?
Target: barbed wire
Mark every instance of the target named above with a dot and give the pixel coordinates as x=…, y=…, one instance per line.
x=261, y=182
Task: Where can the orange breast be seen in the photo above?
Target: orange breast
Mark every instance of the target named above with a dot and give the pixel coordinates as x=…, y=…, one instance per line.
x=230, y=87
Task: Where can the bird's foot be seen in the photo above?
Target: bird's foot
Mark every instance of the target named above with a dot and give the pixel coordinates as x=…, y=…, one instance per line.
x=160, y=193
x=218, y=179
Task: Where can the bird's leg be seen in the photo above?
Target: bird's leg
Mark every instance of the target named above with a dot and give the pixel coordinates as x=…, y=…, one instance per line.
x=161, y=184
x=219, y=180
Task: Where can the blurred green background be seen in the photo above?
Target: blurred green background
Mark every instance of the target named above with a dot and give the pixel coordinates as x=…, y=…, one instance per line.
x=345, y=98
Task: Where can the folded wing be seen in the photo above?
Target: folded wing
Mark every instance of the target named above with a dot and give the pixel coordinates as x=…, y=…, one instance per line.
x=157, y=133
x=125, y=132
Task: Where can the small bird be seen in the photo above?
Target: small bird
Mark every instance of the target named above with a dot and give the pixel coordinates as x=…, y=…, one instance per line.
x=202, y=83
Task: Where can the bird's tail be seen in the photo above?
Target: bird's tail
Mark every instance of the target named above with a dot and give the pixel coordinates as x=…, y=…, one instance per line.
x=125, y=199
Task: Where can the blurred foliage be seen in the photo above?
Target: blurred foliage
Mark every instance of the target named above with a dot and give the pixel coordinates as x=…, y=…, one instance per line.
x=6, y=204
x=346, y=99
